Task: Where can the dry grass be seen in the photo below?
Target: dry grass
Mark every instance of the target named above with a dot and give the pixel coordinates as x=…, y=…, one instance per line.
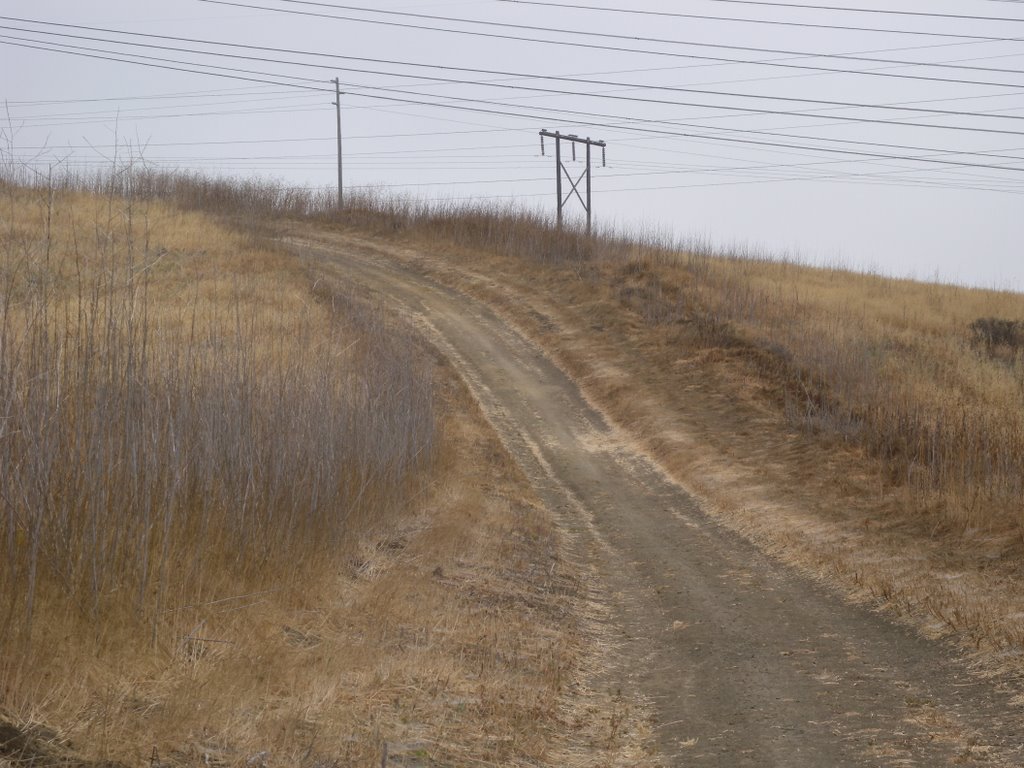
x=882, y=434
x=182, y=425
x=450, y=634
x=249, y=519
x=867, y=429
x=896, y=367
x=927, y=378
x=863, y=428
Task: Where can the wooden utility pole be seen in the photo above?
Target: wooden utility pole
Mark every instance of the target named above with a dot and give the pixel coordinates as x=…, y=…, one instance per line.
x=337, y=106
x=560, y=169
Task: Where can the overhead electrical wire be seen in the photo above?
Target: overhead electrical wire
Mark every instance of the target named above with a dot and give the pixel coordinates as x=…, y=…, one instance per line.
x=645, y=126
x=169, y=64
x=875, y=178
x=292, y=51
x=517, y=75
x=129, y=111
x=817, y=149
x=725, y=108
x=728, y=108
x=942, y=184
x=879, y=11
x=957, y=183
x=748, y=20
x=621, y=49
x=582, y=80
x=844, y=178
x=171, y=116
x=376, y=158
x=844, y=175
x=421, y=150
x=210, y=94
x=567, y=31
x=204, y=68
x=632, y=124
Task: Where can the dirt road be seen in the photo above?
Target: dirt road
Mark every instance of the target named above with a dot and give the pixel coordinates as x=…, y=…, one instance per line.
x=744, y=662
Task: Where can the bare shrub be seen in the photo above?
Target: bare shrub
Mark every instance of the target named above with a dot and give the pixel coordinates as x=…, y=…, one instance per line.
x=156, y=453
x=993, y=333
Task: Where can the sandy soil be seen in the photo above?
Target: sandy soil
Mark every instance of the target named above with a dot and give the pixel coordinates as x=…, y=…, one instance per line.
x=742, y=660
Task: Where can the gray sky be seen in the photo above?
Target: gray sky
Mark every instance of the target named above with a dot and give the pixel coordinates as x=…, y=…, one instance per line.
x=715, y=128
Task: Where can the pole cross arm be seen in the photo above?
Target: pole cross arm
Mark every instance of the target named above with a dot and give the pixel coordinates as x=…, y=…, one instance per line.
x=573, y=138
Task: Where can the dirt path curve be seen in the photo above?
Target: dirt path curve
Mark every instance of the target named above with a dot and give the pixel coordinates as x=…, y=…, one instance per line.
x=744, y=662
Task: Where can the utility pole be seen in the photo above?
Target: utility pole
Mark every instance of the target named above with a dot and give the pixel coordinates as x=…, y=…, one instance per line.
x=337, y=106
x=560, y=169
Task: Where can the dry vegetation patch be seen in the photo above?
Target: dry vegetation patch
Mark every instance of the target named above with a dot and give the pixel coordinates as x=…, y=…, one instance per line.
x=249, y=519
x=866, y=429
x=850, y=423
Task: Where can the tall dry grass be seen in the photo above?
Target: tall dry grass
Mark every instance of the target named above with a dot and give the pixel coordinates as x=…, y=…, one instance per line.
x=895, y=366
x=185, y=419
x=909, y=371
x=928, y=378
x=189, y=419
x=244, y=525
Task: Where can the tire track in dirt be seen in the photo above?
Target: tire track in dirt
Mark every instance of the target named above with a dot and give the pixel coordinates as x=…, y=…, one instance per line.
x=744, y=662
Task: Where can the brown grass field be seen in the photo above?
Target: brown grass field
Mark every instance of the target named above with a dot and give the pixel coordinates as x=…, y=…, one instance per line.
x=926, y=377
x=249, y=518
x=865, y=429
x=247, y=511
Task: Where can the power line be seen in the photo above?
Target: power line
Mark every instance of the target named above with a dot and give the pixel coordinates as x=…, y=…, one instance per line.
x=726, y=108
x=955, y=183
x=210, y=94
x=452, y=160
x=508, y=25
x=880, y=11
x=639, y=86
x=836, y=176
x=521, y=75
x=846, y=176
x=622, y=49
x=578, y=79
x=290, y=140
x=770, y=22
x=952, y=167
x=632, y=127
x=50, y=47
x=626, y=124
x=397, y=62
x=727, y=94
x=128, y=111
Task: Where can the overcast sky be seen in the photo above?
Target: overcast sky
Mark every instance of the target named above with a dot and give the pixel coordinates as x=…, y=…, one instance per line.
x=716, y=127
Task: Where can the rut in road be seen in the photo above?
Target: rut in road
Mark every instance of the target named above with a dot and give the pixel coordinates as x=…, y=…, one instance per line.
x=744, y=662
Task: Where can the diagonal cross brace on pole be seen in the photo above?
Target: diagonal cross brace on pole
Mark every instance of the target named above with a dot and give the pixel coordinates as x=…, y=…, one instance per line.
x=575, y=187
x=561, y=169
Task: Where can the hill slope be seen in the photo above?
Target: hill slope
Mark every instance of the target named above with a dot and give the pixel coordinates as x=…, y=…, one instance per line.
x=249, y=517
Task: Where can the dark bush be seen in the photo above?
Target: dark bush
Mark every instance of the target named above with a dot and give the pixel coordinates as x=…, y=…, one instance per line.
x=994, y=332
